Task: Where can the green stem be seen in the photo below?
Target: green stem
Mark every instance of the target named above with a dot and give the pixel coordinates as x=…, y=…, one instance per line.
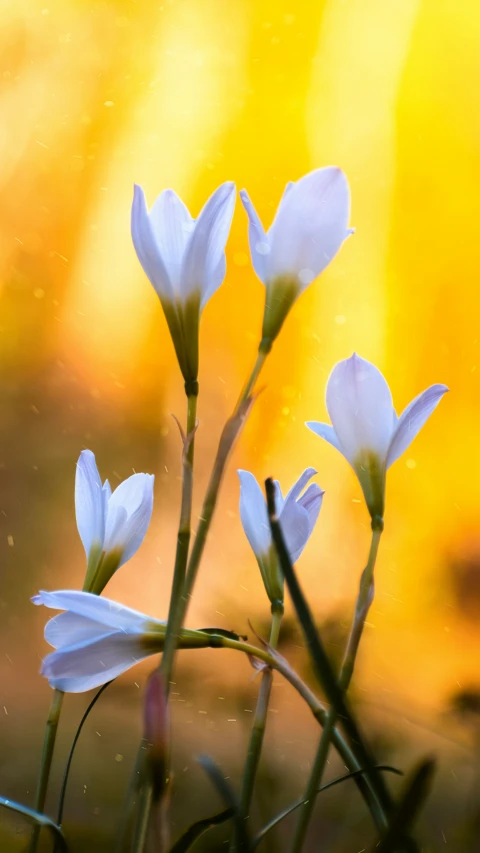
x=183, y=543
x=178, y=608
x=46, y=761
x=259, y=725
x=364, y=601
x=175, y=613
x=263, y=350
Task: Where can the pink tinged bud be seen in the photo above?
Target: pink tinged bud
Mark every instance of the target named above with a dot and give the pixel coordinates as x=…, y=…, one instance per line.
x=156, y=731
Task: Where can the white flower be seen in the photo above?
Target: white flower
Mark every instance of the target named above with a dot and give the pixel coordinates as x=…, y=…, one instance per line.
x=297, y=515
x=111, y=526
x=310, y=225
x=184, y=259
x=365, y=427
x=97, y=639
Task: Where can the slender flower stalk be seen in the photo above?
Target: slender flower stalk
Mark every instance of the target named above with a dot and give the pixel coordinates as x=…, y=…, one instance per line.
x=174, y=623
x=259, y=724
x=364, y=600
x=183, y=543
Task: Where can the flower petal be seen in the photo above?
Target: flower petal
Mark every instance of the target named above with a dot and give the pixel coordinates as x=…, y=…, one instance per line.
x=129, y=513
x=172, y=226
x=206, y=246
x=258, y=239
x=310, y=226
x=68, y=629
x=312, y=500
x=294, y=522
x=254, y=515
x=412, y=420
x=147, y=248
x=326, y=432
x=96, y=608
x=296, y=518
x=91, y=664
x=89, y=509
x=360, y=406
x=299, y=486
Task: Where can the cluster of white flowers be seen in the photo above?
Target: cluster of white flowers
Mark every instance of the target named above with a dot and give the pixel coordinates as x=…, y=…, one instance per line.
x=96, y=639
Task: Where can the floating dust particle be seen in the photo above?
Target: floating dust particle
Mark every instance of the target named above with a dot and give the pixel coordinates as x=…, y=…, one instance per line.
x=410, y=463
x=232, y=720
x=108, y=103
x=340, y=319
x=203, y=712
x=285, y=411
x=10, y=541
x=118, y=757
x=6, y=712
x=39, y=293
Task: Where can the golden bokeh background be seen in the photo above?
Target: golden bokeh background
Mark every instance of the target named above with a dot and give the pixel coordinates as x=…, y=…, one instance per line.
x=187, y=94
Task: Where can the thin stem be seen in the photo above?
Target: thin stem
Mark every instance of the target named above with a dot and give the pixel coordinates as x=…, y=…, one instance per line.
x=179, y=606
x=247, y=389
x=258, y=727
x=46, y=761
x=175, y=613
x=141, y=829
x=183, y=543
x=63, y=789
x=364, y=601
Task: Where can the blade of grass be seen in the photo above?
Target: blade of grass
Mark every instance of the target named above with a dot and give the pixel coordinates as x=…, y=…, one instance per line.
x=282, y=815
x=218, y=780
x=321, y=663
x=63, y=790
x=198, y=828
x=416, y=792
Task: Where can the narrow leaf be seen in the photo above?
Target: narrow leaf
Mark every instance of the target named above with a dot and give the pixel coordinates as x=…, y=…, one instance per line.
x=322, y=666
x=198, y=828
x=224, y=789
x=282, y=815
x=416, y=792
x=68, y=765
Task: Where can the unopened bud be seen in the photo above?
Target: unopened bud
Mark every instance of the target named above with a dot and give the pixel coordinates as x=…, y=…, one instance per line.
x=156, y=731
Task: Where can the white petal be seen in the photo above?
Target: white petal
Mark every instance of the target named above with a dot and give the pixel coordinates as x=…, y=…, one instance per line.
x=172, y=226
x=89, y=508
x=90, y=664
x=299, y=486
x=294, y=522
x=216, y=278
x=310, y=226
x=98, y=609
x=298, y=517
x=68, y=629
x=129, y=514
x=412, y=420
x=147, y=248
x=206, y=245
x=312, y=500
x=258, y=239
x=360, y=406
x=326, y=432
x=254, y=515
